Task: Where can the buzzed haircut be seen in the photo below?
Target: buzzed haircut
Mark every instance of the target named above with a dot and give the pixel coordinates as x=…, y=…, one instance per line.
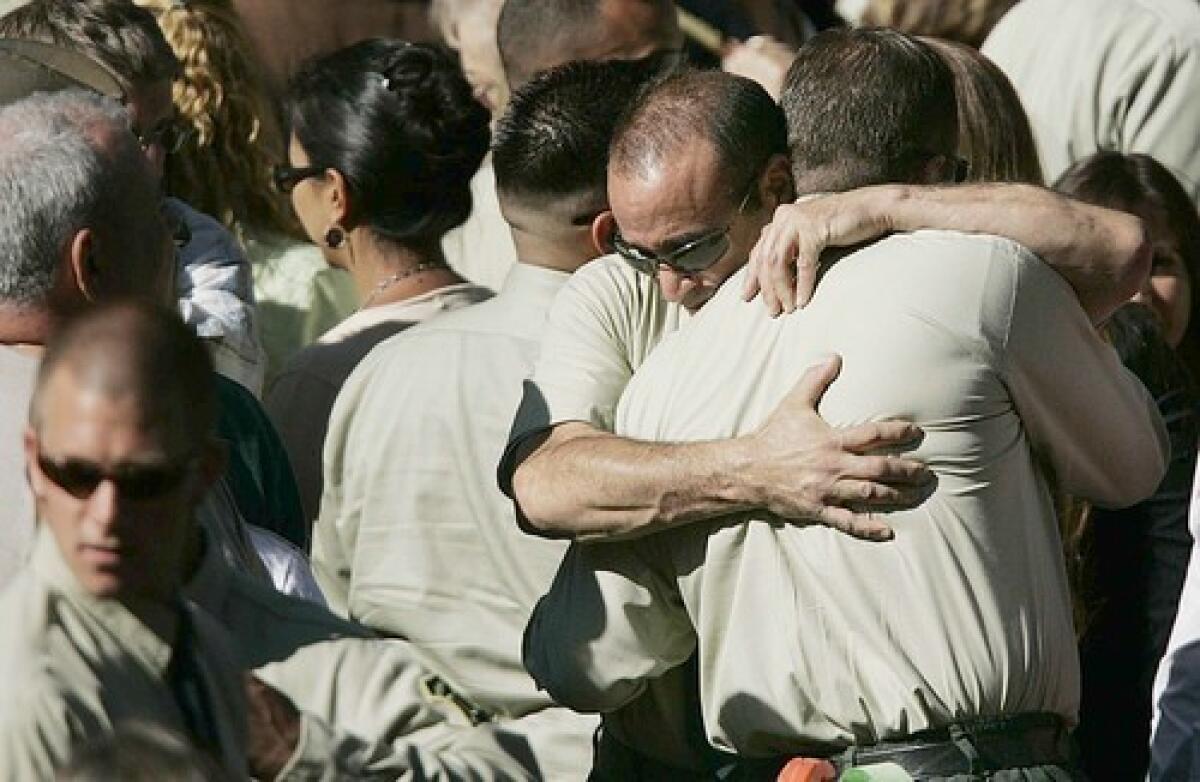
x=122, y=36
x=536, y=34
x=867, y=106
x=734, y=114
x=141, y=351
x=554, y=137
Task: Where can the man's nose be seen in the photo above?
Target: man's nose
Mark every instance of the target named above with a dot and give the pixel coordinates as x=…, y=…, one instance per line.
x=104, y=506
x=676, y=285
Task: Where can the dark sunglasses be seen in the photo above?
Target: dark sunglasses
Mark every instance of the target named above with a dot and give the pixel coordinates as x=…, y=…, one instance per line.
x=169, y=135
x=286, y=177
x=80, y=478
x=691, y=258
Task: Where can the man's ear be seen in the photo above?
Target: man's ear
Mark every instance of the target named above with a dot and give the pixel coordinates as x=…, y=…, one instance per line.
x=82, y=265
x=33, y=473
x=775, y=186
x=603, y=227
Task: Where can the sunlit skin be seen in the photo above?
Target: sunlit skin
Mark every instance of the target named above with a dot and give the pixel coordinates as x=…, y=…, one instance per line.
x=1168, y=289
x=677, y=202
x=132, y=551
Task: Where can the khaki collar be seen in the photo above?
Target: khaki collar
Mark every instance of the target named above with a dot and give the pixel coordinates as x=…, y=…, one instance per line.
x=130, y=632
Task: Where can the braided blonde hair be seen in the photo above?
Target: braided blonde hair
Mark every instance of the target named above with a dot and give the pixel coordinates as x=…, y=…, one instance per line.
x=224, y=169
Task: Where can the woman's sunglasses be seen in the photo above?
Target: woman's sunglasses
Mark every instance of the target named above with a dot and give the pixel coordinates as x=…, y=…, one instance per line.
x=286, y=177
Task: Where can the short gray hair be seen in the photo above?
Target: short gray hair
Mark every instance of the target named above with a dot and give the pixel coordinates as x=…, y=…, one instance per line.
x=55, y=179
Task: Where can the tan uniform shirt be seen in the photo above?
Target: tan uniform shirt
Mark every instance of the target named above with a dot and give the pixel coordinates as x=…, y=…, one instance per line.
x=371, y=708
x=603, y=324
x=1107, y=74
x=414, y=538
x=807, y=637
x=18, y=373
x=75, y=668
x=302, y=396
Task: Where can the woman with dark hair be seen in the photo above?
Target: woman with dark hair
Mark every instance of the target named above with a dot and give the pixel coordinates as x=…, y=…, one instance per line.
x=1129, y=564
x=1140, y=185
x=385, y=137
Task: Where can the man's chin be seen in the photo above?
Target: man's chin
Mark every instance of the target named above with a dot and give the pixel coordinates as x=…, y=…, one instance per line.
x=104, y=584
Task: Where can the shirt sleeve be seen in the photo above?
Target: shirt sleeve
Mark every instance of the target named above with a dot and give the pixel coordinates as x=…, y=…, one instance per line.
x=367, y=712
x=586, y=358
x=1082, y=409
x=611, y=621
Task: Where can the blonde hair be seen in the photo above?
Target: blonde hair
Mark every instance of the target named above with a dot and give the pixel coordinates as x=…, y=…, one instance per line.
x=994, y=134
x=225, y=168
x=965, y=21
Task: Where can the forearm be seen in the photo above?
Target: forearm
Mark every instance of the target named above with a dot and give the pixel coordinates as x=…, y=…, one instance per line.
x=1103, y=254
x=583, y=483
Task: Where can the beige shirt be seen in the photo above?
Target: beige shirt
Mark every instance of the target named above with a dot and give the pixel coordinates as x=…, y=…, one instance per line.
x=414, y=539
x=18, y=373
x=603, y=324
x=807, y=638
x=481, y=249
x=75, y=668
x=302, y=396
x=371, y=708
x=1107, y=74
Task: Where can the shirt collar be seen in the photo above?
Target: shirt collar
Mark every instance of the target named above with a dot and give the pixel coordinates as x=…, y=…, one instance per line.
x=147, y=647
x=536, y=282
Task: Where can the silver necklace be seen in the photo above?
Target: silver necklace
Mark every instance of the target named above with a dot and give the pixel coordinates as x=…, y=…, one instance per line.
x=388, y=282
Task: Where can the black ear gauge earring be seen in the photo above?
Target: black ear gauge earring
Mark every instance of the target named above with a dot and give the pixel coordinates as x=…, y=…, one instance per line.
x=334, y=238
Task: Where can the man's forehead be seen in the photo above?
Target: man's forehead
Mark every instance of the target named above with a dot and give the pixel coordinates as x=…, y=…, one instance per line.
x=687, y=178
x=74, y=401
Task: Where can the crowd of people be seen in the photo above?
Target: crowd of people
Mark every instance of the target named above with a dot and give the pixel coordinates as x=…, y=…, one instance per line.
x=599, y=389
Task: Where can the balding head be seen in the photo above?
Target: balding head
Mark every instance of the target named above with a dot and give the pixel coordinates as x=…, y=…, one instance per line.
x=536, y=35
x=694, y=174
x=733, y=115
x=138, y=353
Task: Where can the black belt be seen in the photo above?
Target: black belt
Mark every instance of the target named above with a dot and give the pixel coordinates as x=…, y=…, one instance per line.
x=976, y=747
